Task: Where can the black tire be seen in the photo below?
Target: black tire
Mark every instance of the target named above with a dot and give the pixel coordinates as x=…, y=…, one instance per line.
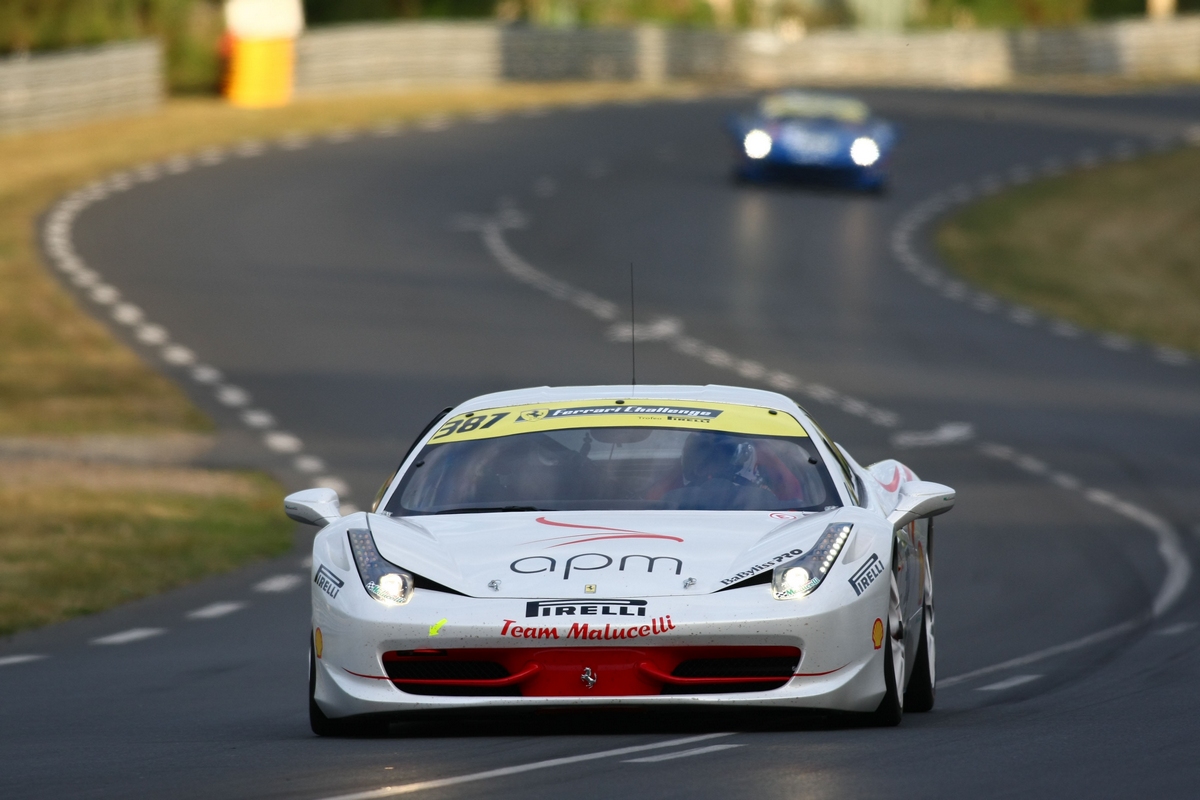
x=891, y=708
x=324, y=726
x=922, y=687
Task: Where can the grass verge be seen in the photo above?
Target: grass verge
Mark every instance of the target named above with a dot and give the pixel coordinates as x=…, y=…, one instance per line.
x=1116, y=248
x=80, y=537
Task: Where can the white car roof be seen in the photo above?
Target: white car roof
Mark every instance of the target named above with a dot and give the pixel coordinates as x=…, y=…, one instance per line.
x=712, y=393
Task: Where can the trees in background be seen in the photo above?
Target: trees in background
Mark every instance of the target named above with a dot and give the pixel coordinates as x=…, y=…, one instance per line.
x=191, y=30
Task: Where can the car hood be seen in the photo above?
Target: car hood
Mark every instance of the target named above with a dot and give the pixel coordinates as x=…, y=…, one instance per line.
x=619, y=553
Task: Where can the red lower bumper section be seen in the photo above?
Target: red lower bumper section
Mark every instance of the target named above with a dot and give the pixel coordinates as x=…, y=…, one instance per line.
x=590, y=671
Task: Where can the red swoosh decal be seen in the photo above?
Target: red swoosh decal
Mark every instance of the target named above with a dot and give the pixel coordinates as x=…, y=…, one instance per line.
x=615, y=533
x=545, y=521
x=616, y=536
x=895, y=482
x=817, y=674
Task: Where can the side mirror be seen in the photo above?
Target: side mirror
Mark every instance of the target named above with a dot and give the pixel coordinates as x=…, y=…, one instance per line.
x=313, y=506
x=921, y=499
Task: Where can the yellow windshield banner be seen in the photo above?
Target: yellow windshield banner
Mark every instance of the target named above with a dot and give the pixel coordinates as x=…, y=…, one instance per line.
x=686, y=414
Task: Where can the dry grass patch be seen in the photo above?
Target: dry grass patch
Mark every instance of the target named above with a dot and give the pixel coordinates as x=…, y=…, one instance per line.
x=81, y=538
x=1116, y=248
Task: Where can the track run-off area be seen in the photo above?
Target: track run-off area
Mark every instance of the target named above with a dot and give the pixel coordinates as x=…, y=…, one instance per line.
x=323, y=298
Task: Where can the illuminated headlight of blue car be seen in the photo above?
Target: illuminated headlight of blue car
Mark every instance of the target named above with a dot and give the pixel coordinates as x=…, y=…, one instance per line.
x=757, y=144
x=864, y=151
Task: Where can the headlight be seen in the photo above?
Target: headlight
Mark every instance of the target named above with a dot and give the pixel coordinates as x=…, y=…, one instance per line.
x=384, y=581
x=864, y=151
x=802, y=576
x=757, y=143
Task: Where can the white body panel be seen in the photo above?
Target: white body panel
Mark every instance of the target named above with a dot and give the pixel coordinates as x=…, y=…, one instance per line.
x=497, y=565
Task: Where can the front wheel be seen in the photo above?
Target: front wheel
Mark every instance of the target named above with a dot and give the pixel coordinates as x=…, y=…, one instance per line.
x=922, y=688
x=891, y=708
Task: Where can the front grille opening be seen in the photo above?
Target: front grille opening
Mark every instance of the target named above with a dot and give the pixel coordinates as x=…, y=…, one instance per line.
x=781, y=667
x=778, y=666
x=504, y=672
x=445, y=670
x=437, y=665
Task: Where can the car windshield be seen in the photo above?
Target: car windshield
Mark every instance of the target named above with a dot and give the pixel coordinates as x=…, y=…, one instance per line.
x=616, y=468
x=800, y=105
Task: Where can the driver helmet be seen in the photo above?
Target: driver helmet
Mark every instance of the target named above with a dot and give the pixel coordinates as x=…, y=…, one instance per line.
x=707, y=455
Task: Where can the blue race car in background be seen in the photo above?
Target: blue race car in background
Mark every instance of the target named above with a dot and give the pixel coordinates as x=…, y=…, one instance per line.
x=813, y=137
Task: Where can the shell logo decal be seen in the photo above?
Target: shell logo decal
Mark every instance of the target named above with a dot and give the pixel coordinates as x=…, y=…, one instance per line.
x=877, y=634
x=318, y=642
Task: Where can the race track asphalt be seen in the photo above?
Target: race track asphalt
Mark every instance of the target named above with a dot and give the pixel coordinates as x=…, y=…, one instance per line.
x=355, y=286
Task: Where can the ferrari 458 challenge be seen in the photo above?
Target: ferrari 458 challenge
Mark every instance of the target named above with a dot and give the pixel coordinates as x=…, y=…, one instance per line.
x=819, y=138
x=687, y=546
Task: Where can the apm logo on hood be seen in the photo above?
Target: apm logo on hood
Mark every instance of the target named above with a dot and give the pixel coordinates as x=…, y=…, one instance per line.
x=533, y=565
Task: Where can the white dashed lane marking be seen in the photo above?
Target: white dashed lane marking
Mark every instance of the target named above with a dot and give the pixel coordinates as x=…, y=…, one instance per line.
x=57, y=237
x=920, y=215
x=698, y=751
x=131, y=635
x=1122, y=629
x=945, y=434
x=278, y=583
x=308, y=464
x=668, y=331
x=1008, y=683
x=410, y=788
x=332, y=482
x=214, y=610
x=23, y=658
x=1176, y=629
x=283, y=442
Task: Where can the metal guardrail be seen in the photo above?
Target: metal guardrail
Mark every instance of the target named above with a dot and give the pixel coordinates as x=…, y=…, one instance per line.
x=41, y=91
x=397, y=56
x=401, y=54
x=1131, y=48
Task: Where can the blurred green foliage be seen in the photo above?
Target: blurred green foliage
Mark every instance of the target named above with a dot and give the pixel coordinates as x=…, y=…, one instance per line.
x=320, y=12
x=1017, y=13
x=191, y=30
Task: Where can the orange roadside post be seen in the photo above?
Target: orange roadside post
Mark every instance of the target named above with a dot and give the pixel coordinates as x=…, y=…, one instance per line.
x=262, y=58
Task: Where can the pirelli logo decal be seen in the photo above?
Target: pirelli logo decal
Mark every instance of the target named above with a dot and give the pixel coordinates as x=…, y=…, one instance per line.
x=867, y=574
x=571, y=608
x=329, y=583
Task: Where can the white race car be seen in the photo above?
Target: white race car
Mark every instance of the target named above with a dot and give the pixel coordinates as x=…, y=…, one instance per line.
x=596, y=546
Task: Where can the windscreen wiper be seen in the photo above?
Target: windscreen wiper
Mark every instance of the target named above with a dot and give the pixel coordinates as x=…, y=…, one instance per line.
x=490, y=509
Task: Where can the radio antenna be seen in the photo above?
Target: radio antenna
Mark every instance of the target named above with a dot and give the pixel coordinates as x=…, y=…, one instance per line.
x=632, y=334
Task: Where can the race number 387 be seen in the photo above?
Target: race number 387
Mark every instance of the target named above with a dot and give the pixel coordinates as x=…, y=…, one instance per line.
x=468, y=424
